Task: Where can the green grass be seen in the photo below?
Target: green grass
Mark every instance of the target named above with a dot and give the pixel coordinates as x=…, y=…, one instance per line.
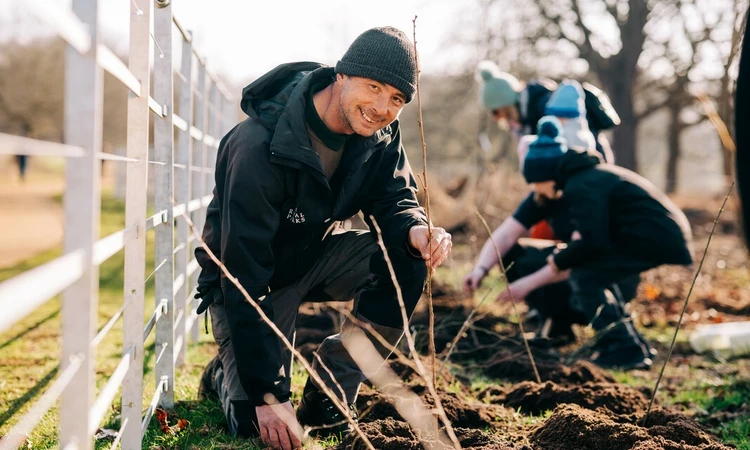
x=717, y=398
x=29, y=357
x=736, y=432
x=30, y=354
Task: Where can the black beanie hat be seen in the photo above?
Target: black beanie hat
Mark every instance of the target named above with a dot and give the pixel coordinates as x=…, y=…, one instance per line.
x=545, y=153
x=383, y=54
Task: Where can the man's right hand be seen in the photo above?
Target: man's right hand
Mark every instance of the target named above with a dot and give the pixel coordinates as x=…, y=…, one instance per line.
x=279, y=428
x=473, y=279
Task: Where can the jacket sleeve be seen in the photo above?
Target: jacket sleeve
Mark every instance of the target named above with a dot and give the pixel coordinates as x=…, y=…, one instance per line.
x=210, y=274
x=393, y=199
x=250, y=192
x=589, y=212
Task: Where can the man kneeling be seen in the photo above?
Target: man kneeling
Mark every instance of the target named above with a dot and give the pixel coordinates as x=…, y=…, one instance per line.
x=320, y=144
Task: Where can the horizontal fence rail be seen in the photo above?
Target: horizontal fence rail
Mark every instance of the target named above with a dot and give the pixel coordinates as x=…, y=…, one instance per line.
x=186, y=139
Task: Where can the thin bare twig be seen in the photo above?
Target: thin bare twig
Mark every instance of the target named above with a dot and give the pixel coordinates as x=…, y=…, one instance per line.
x=341, y=406
x=512, y=298
x=430, y=307
x=406, y=402
x=330, y=374
x=717, y=122
x=387, y=345
x=684, y=307
x=410, y=340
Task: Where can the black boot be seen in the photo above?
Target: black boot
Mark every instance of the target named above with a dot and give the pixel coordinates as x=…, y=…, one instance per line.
x=318, y=412
x=623, y=293
x=206, y=390
x=620, y=348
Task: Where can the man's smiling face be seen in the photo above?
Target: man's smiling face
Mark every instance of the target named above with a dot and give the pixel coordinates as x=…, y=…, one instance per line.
x=368, y=105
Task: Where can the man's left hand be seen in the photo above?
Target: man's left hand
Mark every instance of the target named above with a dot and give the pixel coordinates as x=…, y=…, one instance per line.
x=441, y=244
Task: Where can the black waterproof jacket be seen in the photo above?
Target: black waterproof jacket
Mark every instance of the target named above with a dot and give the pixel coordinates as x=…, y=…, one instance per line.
x=273, y=204
x=618, y=211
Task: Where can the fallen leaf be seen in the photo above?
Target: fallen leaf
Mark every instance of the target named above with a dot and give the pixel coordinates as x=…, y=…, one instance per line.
x=182, y=424
x=161, y=417
x=651, y=292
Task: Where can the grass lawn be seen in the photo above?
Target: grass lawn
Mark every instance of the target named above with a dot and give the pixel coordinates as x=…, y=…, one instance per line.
x=29, y=357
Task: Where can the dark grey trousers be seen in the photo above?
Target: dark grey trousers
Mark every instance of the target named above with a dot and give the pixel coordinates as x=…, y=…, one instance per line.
x=351, y=267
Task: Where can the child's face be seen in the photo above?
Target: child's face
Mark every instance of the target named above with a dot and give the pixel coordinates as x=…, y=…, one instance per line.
x=546, y=190
x=507, y=118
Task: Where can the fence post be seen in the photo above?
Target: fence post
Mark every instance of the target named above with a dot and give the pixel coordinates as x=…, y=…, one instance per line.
x=182, y=191
x=163, y=153
x=214, y=129
x=83, y=127
x=196, y=184
x=139, y=61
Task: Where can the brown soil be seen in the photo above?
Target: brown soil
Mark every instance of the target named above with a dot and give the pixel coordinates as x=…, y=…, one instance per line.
x=533, y=398
x=390, y=434
x=572, y=427
x=374, y=406
x=516, y=367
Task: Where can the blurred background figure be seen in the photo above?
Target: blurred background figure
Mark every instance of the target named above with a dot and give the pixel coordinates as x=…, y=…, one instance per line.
x=519, y=106
x=22, y=161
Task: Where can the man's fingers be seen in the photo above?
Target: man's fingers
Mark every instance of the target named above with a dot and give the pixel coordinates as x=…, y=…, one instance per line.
x=274, y=440
x=294, y=439
x=264, y=435
x=284, y=442
x=440, y=254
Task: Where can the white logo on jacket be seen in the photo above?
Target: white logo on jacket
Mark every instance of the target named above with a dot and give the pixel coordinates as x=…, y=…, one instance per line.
x=295, y=217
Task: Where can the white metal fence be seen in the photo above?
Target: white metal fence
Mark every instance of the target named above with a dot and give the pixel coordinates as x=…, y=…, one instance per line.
x=183, y=161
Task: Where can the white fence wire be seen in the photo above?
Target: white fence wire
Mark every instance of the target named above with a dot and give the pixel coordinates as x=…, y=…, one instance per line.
x=183, y=163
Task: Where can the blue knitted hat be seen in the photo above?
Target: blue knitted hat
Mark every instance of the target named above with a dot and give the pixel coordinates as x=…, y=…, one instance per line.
x=567, y=101
x=546, y=152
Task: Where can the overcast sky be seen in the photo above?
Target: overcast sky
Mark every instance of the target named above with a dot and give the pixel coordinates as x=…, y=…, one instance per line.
x=242, y=39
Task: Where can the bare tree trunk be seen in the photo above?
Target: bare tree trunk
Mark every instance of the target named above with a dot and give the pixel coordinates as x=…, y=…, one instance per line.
x=675, y=129
x=619, y=79
x=624, y=146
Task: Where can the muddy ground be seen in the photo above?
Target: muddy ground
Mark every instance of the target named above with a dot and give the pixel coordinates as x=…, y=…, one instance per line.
x=577, y=406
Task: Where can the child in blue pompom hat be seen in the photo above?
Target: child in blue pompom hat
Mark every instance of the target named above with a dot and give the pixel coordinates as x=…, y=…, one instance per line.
x=615, y=224
x=545, y=152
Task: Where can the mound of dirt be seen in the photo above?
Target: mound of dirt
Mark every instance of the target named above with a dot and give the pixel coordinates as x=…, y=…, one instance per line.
x=479, y=342
x=410, y=376
x=374, y=406
x=533, y=398
x=390, y=434
x=572, y=427
x=517, y=367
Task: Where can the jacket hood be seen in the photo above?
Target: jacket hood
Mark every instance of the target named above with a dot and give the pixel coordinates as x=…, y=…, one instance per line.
x=575, y=161
x=266, y=97
x=277, y=100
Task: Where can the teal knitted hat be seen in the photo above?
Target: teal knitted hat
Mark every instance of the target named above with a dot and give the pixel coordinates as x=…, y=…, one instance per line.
x=497, y=89
x=546, y=152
